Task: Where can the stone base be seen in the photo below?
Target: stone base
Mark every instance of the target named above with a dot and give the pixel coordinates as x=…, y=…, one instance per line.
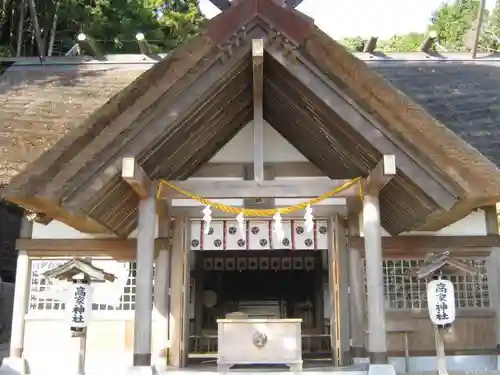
x=14, y=366
x=140, y=370
x=381, y=370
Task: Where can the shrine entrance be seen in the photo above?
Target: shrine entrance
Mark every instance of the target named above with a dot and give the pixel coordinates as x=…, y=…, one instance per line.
x=275, y=284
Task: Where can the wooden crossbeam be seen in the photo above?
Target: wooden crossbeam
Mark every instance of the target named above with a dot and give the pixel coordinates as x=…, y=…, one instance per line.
x=380, y=176
x=258, y=111
x=430, y=243
x=283, y=169
x=252, y=189
x=135, y=176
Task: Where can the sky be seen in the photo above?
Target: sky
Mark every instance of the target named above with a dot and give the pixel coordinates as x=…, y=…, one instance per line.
x=382, y=18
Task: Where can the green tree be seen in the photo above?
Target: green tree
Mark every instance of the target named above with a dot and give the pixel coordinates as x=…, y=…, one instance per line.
x=353, y=44
x=113, y=24
x=402, y=43
x=490, y=40
x=180, y=21
x=452, y=21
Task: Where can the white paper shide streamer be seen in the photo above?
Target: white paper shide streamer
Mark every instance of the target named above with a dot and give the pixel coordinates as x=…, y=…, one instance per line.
x=278, y=227
x=308, y=219
x=207, y=218
x=240, y=219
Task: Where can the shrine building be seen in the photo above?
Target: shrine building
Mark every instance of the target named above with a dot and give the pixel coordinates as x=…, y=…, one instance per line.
x=168, y=172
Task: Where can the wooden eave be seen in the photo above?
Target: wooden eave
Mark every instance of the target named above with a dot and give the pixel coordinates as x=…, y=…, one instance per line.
x=76, y=266
x=177, y=115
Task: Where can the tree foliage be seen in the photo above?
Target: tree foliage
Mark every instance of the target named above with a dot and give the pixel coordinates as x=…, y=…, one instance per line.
x=491, y=31
x=354, y=44
x=113, y=24
x=453, y=22
x=403, y=43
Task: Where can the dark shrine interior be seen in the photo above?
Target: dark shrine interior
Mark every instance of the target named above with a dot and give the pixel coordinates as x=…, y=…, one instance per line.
x=257, y=284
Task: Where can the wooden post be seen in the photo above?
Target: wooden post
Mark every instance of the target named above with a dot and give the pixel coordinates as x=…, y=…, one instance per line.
x=339, y=301
x=441, y=356
x=357, y=294
x=144, y=283
x=179, y=293
x=377, y=341
x=380, y=176
x=162, y=290
x=258, y=112
x=81, y=335
x=15, y=362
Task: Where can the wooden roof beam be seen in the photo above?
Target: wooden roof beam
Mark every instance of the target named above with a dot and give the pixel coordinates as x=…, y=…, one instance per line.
x=430, y=243
x=135, y=176
x=258, y=111
x=383, y=172
x=367, y=126
x=370, y=44
x=280, y=169
x=253, y=189
x=144, y=46
x=89, y=46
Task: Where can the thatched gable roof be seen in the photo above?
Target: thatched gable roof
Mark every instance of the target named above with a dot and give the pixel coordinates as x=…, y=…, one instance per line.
x=165, y=115
x=42, y=103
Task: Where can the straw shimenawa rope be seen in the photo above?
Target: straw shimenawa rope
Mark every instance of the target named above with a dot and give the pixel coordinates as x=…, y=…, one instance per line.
x=260, y=212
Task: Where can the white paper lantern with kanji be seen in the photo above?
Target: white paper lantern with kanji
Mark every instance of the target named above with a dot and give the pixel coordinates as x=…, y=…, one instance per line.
x=79, y=306
x=441, y=301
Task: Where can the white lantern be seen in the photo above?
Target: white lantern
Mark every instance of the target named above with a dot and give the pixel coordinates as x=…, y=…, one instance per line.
x=79, y=305
x=441, y=301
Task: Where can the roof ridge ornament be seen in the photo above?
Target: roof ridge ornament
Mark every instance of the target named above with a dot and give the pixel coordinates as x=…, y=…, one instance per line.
x=226, y=4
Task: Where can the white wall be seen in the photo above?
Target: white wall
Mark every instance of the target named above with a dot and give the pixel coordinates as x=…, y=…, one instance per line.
x=240, y=149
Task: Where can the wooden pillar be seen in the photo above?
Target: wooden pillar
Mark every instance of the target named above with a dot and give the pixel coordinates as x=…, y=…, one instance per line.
x=258, y=117
x=357, y=294
x=377, y=341
x=179, y=293
x=144, y=284
x=339, y=301
x=162, y=290
x=493, y=272
x=15, y=363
